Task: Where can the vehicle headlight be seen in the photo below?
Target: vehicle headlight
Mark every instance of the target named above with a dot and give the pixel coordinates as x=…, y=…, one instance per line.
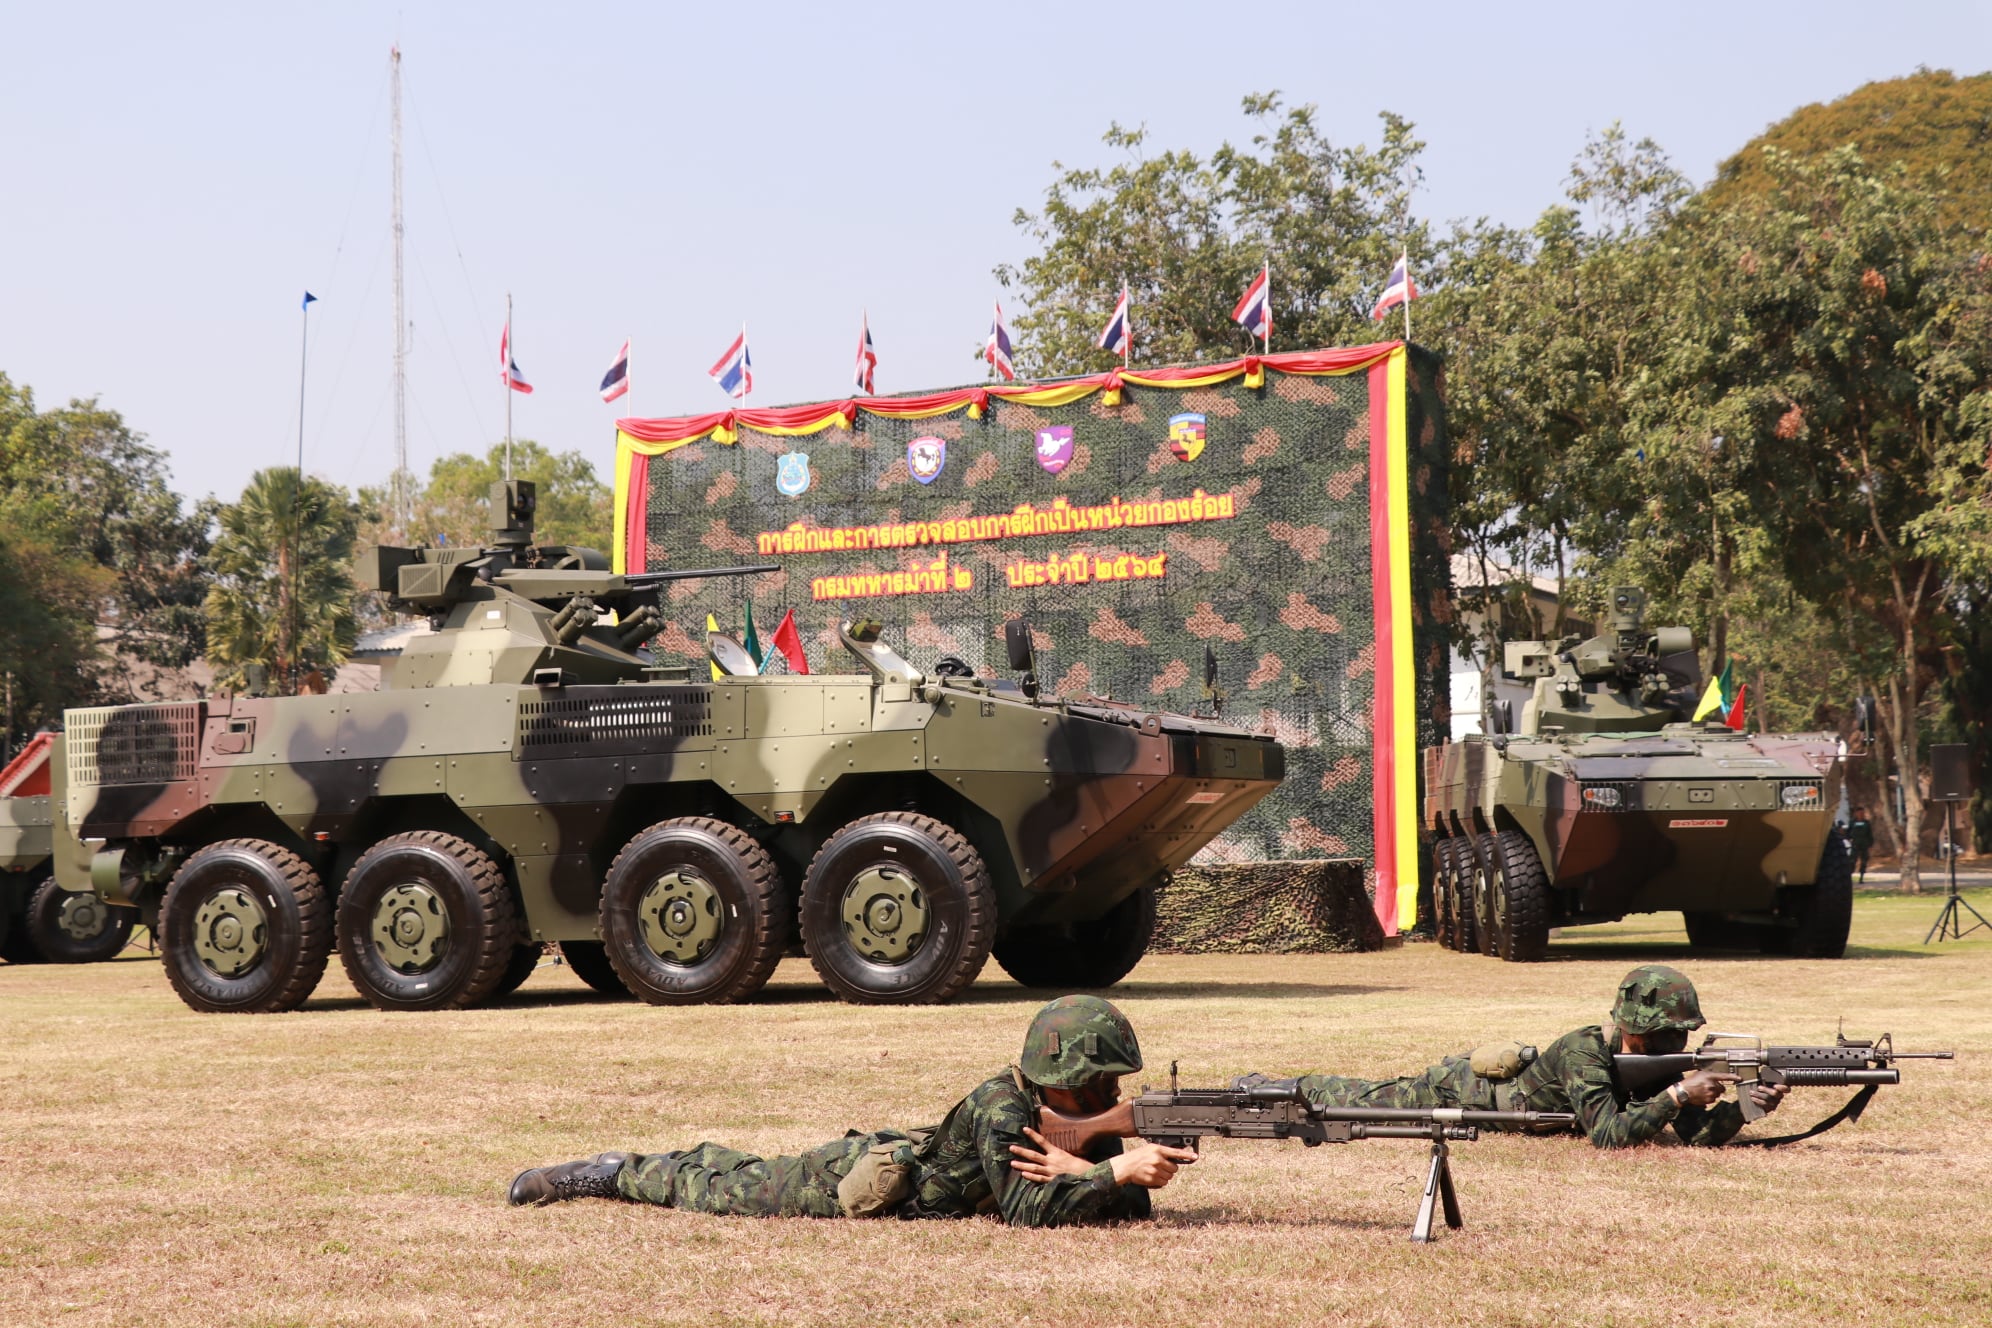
x=1606, y=799
x=1799, y=795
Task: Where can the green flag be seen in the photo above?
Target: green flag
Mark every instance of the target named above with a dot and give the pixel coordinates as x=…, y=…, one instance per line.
x=749, y=639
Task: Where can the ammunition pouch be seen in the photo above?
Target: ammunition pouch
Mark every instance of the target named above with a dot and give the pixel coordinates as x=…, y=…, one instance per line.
x=1500, y=1061
x=881, y=1179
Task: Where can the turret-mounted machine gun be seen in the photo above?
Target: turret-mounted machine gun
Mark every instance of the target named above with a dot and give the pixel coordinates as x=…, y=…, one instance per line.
x=518, y=612
x=1626, y=680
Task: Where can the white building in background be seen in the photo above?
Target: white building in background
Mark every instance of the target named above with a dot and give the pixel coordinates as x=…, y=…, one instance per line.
x=1495, y=602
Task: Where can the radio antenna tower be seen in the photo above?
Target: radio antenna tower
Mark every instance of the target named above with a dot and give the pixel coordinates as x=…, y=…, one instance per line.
x=402, y=516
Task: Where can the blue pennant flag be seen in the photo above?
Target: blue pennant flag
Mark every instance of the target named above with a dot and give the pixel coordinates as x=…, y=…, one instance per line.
x=309, y=300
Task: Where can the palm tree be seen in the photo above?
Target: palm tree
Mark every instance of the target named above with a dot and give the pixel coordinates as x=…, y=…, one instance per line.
x=282, y=595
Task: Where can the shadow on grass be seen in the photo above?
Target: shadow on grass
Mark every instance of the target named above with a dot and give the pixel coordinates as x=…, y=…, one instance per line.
x=994, y=994
x=1637, y=951
x=1208, y=1215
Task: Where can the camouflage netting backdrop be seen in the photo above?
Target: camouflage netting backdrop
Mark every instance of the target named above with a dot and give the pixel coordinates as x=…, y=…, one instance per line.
x=1262, y=553
x=1266, y=908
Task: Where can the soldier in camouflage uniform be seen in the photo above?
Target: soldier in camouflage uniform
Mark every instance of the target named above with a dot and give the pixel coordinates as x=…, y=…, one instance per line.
x=1656, y=1009
x=980, y=1159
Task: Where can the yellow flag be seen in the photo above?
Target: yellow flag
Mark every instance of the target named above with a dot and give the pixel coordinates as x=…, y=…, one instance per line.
x=712, y=625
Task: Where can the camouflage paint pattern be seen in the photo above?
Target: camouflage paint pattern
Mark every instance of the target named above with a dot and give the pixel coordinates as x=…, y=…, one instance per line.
x=1572, y=1074
x=961, y=1168
x=1077, y=1038
x=1655, y=997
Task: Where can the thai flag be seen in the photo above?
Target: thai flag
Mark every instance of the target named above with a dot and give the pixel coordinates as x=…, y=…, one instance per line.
x=616, y=381
x=735, y=371
x=1400, y=290
x=1255, y=307
x=508, y=368
x=867, y=356
x=997, y=350
x=1117, y=335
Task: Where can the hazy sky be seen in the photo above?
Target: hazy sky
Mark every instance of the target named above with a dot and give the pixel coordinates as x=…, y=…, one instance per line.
x=178, y=175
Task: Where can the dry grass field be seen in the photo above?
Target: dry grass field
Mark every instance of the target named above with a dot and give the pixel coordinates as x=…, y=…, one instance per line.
x=340, y=1166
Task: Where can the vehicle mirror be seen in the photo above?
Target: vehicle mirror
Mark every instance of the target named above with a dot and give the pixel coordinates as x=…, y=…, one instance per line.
x=1017, y=642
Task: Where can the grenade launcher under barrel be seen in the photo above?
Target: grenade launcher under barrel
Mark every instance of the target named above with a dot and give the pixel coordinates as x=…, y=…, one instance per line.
x=1867, y=1065
x=1180, y=1117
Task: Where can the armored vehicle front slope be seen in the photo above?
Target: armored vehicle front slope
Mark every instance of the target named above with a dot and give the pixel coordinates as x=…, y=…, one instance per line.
x=528, y=775
x=1607, y=801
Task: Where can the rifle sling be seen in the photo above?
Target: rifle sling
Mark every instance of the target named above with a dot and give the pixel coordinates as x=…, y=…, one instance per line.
x=1851, y=1112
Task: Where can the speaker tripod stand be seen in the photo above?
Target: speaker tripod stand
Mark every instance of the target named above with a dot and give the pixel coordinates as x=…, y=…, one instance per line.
x=1950, y=923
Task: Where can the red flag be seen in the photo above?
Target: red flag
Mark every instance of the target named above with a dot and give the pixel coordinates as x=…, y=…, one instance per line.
x=789, y=641
x=1735, y=716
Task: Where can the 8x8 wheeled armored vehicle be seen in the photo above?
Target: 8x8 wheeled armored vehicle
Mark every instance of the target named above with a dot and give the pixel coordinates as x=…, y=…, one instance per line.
x=525, y=776
x=1605, y=800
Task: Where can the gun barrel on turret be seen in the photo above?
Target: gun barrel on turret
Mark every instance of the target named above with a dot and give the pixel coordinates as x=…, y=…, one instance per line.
x=697, y=573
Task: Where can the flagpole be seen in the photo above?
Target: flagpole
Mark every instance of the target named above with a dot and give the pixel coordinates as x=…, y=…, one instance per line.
x=1266, y=323
x=303, y=343
x=1404, y=257
x=297, y=488
x=505, y=376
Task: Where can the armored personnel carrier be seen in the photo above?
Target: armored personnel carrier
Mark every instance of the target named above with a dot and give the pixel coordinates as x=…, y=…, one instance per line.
x=528, y=774
x=1604, y=800
x=39, y=920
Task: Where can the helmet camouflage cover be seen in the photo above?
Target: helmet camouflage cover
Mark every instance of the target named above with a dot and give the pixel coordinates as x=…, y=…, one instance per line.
x=1076, y=1038
x=1654, y=997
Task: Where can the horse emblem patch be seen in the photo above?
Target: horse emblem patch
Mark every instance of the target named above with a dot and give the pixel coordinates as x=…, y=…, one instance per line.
x=925, y=457
x=792, y=473
x=1054, y=447
x=1186, y=436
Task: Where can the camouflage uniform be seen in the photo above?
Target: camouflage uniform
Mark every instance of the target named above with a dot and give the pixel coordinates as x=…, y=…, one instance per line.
x=959, y=1168
x=1573, y=1074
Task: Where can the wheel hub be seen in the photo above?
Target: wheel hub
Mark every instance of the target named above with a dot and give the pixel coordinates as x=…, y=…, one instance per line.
x=411, y=927
x=885, y=915
x=230, y=932
x=681, y=916
x=82, y=916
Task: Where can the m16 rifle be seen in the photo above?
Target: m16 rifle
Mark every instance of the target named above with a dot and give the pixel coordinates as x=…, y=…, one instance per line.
x=1867, y=1065
x=1180, y=1116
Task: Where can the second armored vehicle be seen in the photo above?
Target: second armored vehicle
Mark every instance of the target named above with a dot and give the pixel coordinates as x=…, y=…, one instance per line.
x=527, y=776
x=1604, y=801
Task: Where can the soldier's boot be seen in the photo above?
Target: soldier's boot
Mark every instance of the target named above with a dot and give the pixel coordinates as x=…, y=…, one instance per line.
x=590, y=1178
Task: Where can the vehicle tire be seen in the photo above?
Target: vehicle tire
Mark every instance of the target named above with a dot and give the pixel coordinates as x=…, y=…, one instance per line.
x=525, y=958
x=1485, y=878
x=1463, y=891
x=15, y=945
x=1520, y=898
x=73, y=927
x=426, y=922
x=692, y=913
x=1445, y=904
x=1823, y=911
x=245, y=928
x=590, y=963
x=897, y=910
x=1712, y=931
x=1076, y=955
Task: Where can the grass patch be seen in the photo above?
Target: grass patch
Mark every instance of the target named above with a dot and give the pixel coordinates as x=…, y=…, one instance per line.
x=342, y=1166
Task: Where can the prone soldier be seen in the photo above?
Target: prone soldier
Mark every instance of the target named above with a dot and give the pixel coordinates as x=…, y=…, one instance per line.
x=984, y=1157
x=1655, y=1011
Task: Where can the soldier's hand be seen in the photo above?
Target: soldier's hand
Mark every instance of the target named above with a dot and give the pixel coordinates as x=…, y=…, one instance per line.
x=1768, y=1096
x=1704, y=1088
x=1150, y=1166
x=1046, y=1160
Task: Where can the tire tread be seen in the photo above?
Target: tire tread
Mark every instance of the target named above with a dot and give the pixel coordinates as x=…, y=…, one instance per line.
x=314, y=926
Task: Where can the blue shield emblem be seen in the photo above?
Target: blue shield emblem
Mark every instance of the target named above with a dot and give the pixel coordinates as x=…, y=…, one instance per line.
x=925, y=457
x=792, y=473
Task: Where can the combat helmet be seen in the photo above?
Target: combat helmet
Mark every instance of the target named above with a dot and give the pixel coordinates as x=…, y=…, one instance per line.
x=1076, y=1038
x=1654, y=997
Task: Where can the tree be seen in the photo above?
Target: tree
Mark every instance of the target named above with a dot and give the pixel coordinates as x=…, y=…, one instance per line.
x=1187, y=235
x=455, y=505
x=282, y=595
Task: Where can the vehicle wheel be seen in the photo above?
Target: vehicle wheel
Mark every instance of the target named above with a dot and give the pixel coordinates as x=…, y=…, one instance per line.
x=897, y=909
x=1463, y=891
x=1445, y=911
x=591, y=964
x=74, y=927
x=1823, y=911
x=1076, y=955
x=1712, y=931
x=426, y=922
x=15, y=946
x=245, y=928
x=1520, y=897
x=525, y=958
x=692, y=914
x=1485, y=938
